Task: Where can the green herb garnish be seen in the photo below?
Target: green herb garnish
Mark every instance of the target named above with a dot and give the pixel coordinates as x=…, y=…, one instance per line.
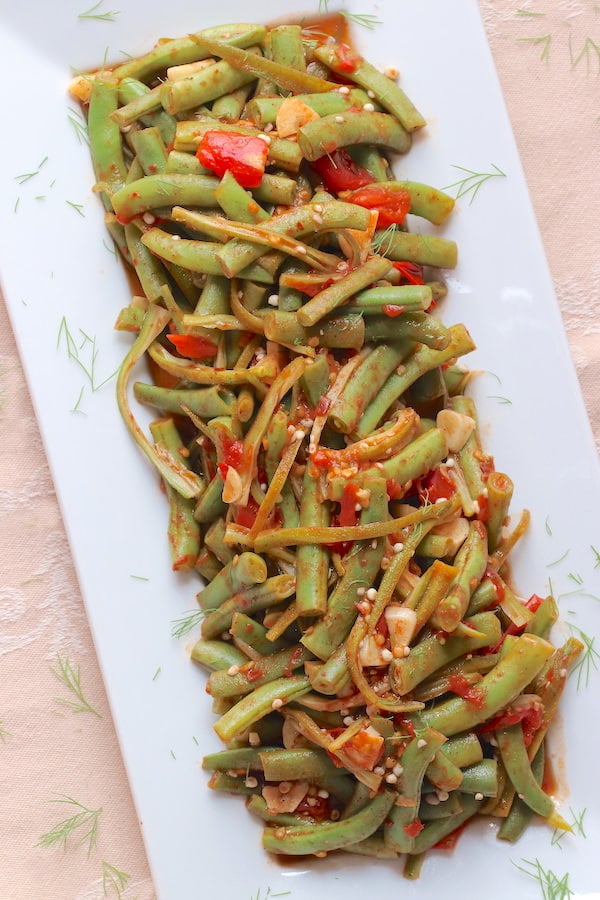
x=70, y=676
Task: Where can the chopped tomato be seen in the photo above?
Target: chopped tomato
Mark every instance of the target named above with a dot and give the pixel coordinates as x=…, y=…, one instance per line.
x=392, y=310
x=391, y=201
x=346, y=517
x=512, y=629
x=231, y=455
x=411, y=273
x=254, y=673
x=246, y=515
x=484, y=508
x=460, y=685
x=245, y=156
x=394, y=489
x=414, y=828
x=435, y=485
x=193, y=347
x=322, y=406
x=530, y=714
x=406, y=724
x=347, y=60
x=365, y=749
x=339, y=172
x=294, y=660
x=318, y=808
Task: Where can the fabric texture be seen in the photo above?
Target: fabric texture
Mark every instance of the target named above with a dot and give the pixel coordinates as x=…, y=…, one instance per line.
x=549, y=74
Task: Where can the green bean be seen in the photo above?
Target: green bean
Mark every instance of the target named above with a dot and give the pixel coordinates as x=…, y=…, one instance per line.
x=202, y=87
x=362, y=563
x=150, y=150
x=481, y=778
x=265, y=595
x=432, y=653
x=259, y=703
x=303, y=839
x=242, y=572
x=471, y=456
x=312, y=560
x=250, y=637
x=324, y=135
x=263, y=110
x=142, y=105
x=230, y=106
x=417, y=756
x=256, y=805
x=543, y=618
x=333, y=674
x=297, y=223
x=204, y=402
x=436, y=831
x=411, y=326
x=471, y=562
x=189, y=49
x=261, y=671
x=219, y=781
x=432, y=809
x=164, y=190
x=306, y=764
x=214, y=541
x=278, y=189
x=130, y=89
x=287, y=47
x=422, y=360
x=443, y=773
x=315, y=379
x=423, y=249
x=497, y=689
x=217, y=655
x=342, y=332
x=409, y=297
x=499, y=494
x=105, y=139
x=330, y=298
x=365, y=155
x=386, y=92
x=211, y=505
x=237, y=203
x=285, y=77
x=179, y=163
x=370, y=376
x=207, y=565
x=512, y=749
x=197, y=256
x=520, y=813
x=183, y=531
x=413, y=865
x=464, y=750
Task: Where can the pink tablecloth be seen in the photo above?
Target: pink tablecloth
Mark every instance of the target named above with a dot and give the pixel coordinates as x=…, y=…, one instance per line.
x=549, y=67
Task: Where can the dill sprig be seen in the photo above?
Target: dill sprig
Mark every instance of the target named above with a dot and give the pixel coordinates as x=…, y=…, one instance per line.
x=84, y=820
x=84, y=354
x=79, y=124
x=27, y=176
x=589, y=658
x=382, y=242
x=473, y=181
x=113, y=878
x=269, y=894
x=156, y=674
x=78, y=207
x=503, y=400
x=4, y=733
x=596, y=556
x=530, y=14
x=587, y=52
x=543, y=40
x=547, y=526
x=99, y=16
x=187, y=622
x=559, y=560
x=70, y=676
x=365, y=21
x=551, y=886
x=576, y=825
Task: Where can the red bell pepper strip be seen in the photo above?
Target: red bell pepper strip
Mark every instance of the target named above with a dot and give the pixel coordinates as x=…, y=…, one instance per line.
x=193, y=347
x=339, y=172
x=391, y=201
x=245, y=156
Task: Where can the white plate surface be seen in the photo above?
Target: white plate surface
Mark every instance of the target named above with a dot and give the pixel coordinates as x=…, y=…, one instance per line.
x=54, y=264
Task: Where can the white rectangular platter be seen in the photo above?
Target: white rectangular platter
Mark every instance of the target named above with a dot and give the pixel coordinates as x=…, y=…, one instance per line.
x=56, y=270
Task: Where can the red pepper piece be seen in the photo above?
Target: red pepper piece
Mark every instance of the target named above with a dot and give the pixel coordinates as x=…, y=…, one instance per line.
x=346, y=516
x=244, y=155
x=414, y=828
x=232, y=455
x=246, y=515
x=392, y=203
x=435, y=485
x=392, y=310
x=459, y=685
x=347, y=60
x=193, y=347
x=411, y=272
x=339, y=172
